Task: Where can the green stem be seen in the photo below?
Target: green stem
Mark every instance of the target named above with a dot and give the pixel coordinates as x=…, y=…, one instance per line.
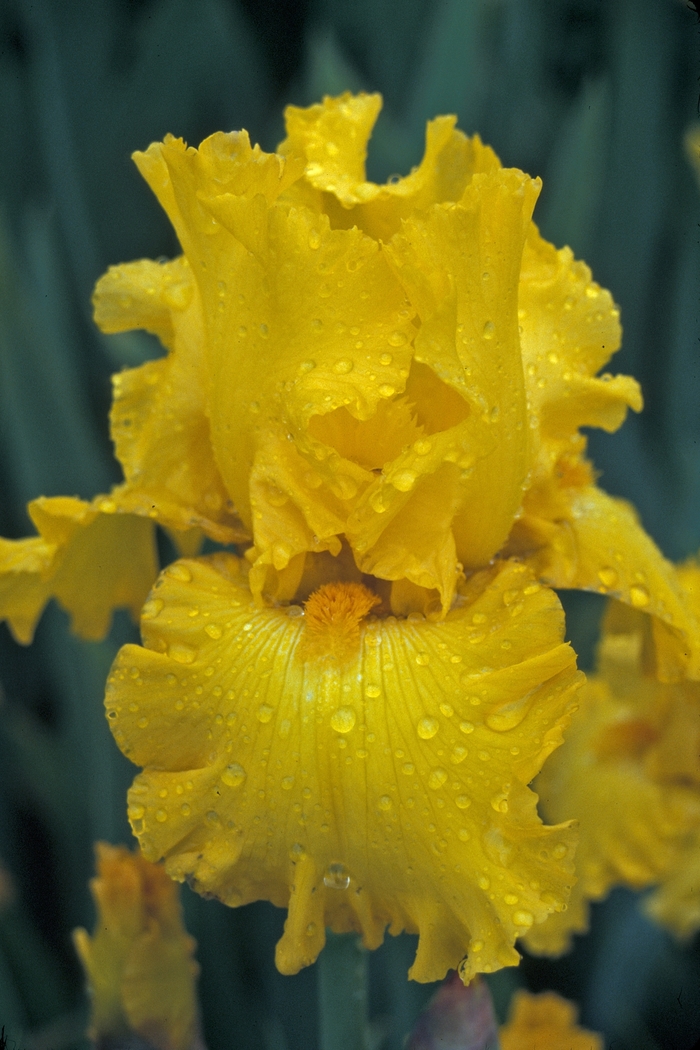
x=342, y=993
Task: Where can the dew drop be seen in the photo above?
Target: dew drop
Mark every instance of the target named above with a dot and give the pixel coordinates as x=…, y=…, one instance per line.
x=185, y=809
x=343, y=366
x=422, y=659
x=385, y=803
x=307, y=366
x=386, y=359
x=213, y=630
x=182, y=654
x=466, y=727
x=234, y=775
x=397, y=339
x=287, y=783
x=447, y=710
x=509, y=715
x=437, y=778
x=284, y=728
x=387, y=390
x=422, y=447
x=336, y=877
x=178, y=571
x=607, y=576
x=404, y=480
x=136, y=812
x=463, y=802
x=161, y=816
x=489, y=330
x=523, y=918
x=314, y=240
x=264, y=713
x=373, y=690
x=151, y=608
x=427, y=728
x=559, y=851
x=408, y=769
x=463, y=835
x=639, y=596
x=343, y=719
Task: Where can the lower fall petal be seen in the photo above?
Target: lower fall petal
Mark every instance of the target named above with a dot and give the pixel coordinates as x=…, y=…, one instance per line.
x=362, y=772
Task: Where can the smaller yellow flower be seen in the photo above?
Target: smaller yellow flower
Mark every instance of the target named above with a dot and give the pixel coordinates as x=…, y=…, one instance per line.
x=139, y=961
x=629, y=772
x=545, y=1022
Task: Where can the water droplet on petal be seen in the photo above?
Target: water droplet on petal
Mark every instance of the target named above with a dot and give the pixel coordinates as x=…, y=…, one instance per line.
x=343, y=366
x=523, y=918
x=403, y=480
x=387, y=390
x=182, y=654
x=607, y=576
x=161, y=816
x=509, y=715
x=437, y=778
x=489, y=330
x=213, y=630
x=463, y=802
x=343, y=719
x=152, y=608
x=639, y=596
x=373, y=690
x=385, y=803
x=422, y=659
x=336, y=877
x=427, y=728
x=233, y=775
x=264, y=713
x=178, y=571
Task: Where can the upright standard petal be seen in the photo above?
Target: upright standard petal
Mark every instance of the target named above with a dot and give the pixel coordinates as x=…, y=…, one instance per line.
x=360, y=772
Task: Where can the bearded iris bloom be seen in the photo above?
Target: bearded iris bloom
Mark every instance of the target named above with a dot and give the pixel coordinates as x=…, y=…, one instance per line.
x=377, y=391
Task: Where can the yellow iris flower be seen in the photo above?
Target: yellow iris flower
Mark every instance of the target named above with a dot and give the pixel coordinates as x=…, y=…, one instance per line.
x=545, y=1022
x=379, y=391
x=139, y=962
x=629, y=773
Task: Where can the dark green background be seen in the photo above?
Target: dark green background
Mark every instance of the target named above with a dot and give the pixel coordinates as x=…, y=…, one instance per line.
x=593, y=96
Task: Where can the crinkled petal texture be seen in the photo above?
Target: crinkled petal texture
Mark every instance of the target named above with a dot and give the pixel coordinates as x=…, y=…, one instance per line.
x=363, y=359
x=158, y=420
x=628, y=772
x=545, y=1022
x=88, y=556
x=365, y=779
x=139, y=962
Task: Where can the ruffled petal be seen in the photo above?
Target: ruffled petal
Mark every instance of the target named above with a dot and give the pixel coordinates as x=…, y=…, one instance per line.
x=88, y=556
x=545, y=1022
x=366, y=778
x=569, y=329
x=332, y=137
x=158, y=420
x=579, y=537
x=460, y=266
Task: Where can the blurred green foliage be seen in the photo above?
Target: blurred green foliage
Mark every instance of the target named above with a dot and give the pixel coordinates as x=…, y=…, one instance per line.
x=594, y=97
